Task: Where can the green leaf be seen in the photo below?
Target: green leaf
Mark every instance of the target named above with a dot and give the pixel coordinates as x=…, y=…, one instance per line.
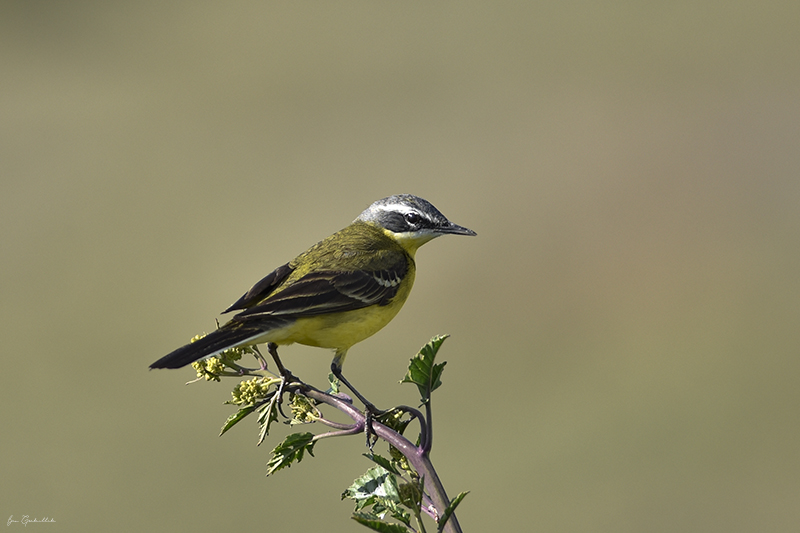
x=236, y=417
x=291, y=450
x=375, y=484
x=378, y=488
x=268, y=413
x=334, y=384
x=422, y=372
x=375, y=524
x=450, y=510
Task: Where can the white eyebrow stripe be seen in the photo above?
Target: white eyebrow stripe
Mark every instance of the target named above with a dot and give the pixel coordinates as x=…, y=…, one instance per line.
x=397, y=208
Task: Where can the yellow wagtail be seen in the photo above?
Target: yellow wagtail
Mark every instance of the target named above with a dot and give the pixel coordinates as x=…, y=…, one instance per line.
x=338, y=292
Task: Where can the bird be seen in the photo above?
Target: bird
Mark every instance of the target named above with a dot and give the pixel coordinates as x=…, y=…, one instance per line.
x=337, y=293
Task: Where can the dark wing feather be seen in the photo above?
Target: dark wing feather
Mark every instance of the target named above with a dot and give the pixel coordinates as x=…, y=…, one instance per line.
x=262, y=289
x=230, y=335
x=332, y=292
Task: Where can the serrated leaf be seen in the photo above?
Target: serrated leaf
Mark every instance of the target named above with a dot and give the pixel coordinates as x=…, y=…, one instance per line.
x=422, y=371
x=378, y=488
x=449, y=511
x=291, y=450
x=267, y=415
x=375, y=524
x=377, y=483
x=236, y=418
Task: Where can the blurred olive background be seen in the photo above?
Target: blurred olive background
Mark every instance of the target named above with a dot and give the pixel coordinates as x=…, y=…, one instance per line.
x=624, y=351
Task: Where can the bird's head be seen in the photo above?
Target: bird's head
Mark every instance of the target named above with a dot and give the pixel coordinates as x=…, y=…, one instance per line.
x=410, y=220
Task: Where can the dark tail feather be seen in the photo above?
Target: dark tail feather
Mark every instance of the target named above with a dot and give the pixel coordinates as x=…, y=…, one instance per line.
x=213, y=343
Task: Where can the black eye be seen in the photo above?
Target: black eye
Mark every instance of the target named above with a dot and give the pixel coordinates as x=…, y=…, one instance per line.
x=413, y=218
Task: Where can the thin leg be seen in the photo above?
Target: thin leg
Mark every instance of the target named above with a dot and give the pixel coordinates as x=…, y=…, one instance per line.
x=337, y=371
x=370, y=411
x=272, y=348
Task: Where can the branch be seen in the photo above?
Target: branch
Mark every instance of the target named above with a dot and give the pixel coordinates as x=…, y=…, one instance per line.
x=417, y=456
x=405, y=482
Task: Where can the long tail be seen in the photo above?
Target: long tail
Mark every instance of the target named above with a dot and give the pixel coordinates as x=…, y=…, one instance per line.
x=212, y=344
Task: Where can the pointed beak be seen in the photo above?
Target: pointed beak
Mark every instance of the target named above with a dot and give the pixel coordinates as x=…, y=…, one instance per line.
x=454, y=229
